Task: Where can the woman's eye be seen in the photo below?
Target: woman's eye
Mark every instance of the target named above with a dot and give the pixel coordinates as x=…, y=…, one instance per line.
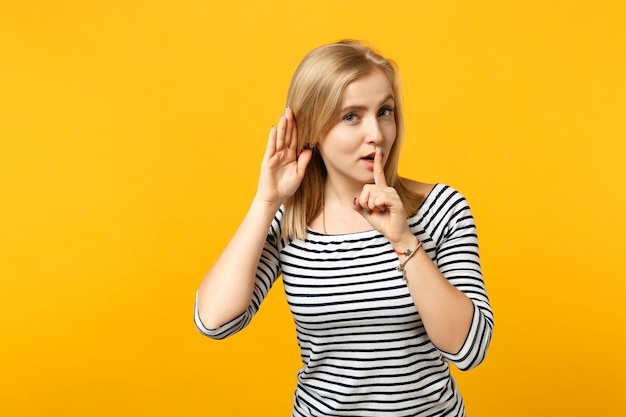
x=350, y=117
x=384, y=112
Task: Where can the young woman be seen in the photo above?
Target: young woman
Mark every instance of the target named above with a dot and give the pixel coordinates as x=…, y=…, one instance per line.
x=381, y=273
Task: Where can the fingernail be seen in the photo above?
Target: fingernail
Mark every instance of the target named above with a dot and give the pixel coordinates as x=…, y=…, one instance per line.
x=354, y=201
x=366, y=210
x=380, y=148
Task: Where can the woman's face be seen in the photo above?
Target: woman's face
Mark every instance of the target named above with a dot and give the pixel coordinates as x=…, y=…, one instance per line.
x=366, y=121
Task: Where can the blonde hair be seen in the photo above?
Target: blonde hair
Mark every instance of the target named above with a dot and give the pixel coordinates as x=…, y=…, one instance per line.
x=315, y=96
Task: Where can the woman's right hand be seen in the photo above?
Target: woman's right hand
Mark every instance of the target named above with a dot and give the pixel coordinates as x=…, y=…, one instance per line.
x=282, y=168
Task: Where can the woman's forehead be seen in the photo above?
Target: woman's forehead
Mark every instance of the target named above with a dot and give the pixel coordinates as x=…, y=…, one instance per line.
x=373, y=88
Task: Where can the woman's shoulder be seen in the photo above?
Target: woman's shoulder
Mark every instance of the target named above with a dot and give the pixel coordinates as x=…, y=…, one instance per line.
x=421, y=189
x=425, y=191
x=417, y=192
x=433, y=195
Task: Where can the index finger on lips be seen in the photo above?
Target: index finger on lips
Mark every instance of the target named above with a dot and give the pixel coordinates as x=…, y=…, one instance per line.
x=379, y=169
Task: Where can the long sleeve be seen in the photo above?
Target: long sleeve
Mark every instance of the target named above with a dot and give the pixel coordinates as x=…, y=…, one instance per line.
x=455, y=251
x=268, y=271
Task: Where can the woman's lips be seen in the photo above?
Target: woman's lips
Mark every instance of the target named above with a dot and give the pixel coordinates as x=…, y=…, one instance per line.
x=368, y=160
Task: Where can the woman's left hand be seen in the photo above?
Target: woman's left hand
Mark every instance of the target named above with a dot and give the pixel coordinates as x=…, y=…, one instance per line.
x=382, y=208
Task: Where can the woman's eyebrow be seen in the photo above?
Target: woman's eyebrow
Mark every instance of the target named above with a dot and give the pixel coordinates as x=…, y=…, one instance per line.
x=357, y=107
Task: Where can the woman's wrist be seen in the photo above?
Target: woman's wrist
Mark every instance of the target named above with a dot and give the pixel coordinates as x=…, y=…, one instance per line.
x=259, y=203
x=405, y=246
x=406, y=255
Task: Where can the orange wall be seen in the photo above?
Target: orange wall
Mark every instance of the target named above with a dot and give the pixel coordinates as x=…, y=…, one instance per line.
x=130, y=139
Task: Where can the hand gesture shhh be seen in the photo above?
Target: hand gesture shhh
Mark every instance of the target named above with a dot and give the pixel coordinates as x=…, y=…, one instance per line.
x=282, y=168
x=382, y=207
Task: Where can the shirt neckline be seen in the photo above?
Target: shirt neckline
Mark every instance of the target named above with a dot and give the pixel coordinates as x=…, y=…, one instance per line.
x=373, y=232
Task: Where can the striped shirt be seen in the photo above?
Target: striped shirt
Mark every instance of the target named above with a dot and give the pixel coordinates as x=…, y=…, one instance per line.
x=363, y=345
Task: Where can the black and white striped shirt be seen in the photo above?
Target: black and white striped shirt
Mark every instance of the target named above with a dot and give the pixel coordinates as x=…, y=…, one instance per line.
x=363, y=345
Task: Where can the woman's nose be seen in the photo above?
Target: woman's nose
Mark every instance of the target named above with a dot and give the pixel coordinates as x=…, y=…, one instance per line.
x=374, y=133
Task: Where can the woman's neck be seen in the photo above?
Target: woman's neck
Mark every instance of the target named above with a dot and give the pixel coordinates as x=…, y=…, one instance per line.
x=340, y=195
x=338, y=215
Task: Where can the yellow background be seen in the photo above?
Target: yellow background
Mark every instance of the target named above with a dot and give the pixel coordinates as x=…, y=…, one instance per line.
x=131, y=135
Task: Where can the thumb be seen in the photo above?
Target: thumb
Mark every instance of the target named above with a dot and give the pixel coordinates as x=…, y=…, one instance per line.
x=303, y=160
